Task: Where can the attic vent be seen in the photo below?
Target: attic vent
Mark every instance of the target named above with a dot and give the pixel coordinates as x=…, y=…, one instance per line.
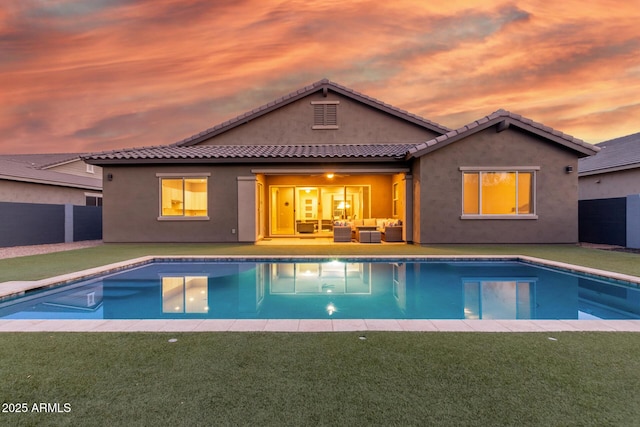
x=325, y=114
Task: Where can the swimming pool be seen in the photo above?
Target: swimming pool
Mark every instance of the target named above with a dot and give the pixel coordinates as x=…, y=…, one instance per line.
x=333, y=289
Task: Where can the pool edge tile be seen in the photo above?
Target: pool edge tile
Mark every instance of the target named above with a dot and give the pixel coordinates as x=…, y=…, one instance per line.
x=282, y=325
x=348, y=325
x=248, y=325
x=382, y=325
x=453, y=325
x=485, y=325
x=214, y=325
x=315, y=325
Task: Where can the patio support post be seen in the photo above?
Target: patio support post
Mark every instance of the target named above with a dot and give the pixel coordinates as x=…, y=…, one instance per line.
x=407, y=229
x=247, y=229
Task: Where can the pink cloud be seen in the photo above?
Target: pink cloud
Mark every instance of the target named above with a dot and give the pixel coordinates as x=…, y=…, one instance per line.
x=103, y=75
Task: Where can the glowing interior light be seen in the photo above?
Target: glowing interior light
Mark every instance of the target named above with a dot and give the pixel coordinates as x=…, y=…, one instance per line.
x=330, y=175
x=331, y=308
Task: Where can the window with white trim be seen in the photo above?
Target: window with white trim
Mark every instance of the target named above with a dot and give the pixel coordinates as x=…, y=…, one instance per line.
x=498, y=193
x=183, y=196
x=93, y=199
x=325, y=114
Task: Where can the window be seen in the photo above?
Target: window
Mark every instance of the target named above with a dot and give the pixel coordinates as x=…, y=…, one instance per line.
x=183, y=197
x=498, y=193
x=93, y=199
x=325, y=114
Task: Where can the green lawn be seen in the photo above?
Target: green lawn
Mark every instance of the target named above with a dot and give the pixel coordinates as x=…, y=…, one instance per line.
x=42, y=266
x=457, y=379
x=389, y=378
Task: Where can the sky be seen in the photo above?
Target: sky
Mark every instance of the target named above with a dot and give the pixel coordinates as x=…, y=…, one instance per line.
x=95, y=75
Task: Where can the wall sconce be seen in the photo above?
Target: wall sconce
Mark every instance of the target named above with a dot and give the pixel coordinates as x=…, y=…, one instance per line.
x=109, y=177
x=568, y=169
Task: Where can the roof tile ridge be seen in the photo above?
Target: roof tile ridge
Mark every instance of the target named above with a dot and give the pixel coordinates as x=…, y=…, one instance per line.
x=384, y=104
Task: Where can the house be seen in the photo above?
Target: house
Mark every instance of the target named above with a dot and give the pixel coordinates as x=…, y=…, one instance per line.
x=609, y=193
x=50, y=179
x=613, y=172
x=327, y=154
x=49, y=198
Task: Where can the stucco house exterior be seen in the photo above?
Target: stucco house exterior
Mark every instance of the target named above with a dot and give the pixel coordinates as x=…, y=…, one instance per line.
x=609, y=196
x=326, y=154
x=614, y=171
x=49, y=198
x=57, y=178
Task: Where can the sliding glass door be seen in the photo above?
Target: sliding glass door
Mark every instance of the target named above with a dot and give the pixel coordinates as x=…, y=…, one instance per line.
x=307, y=210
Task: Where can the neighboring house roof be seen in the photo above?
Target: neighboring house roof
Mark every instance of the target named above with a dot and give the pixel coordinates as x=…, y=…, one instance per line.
x=43, y=161
x=228, y=153
x=321, y=85
x=503, y=119
x=33, y=168
x=615, y=154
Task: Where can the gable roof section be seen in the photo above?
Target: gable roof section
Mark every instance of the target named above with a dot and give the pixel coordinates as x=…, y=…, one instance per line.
x=503, y=119
x=321, y=85
x=230, y=153
x=615, y=154
x=33, y=168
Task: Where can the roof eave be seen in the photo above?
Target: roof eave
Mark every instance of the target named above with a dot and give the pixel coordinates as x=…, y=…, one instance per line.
x=48, y=182
x=609, y=169
x=246, y=160
x=503, y=123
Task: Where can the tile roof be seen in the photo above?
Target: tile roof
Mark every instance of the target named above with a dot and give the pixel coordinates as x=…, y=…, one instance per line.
x=301, y=93
x=33, y=168
x=509, y=119
x=211, y=153
x=615, y=154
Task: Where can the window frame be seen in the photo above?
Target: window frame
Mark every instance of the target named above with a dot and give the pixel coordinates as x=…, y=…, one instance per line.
x=533, y=170
x=395, y=199
x=183, y=177
x=94, y=196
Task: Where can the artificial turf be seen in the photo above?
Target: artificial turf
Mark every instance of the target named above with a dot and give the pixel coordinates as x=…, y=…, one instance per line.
x=389, y=378
x=41, y=266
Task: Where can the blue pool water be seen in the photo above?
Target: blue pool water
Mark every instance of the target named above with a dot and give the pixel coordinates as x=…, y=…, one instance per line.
x=333, y=289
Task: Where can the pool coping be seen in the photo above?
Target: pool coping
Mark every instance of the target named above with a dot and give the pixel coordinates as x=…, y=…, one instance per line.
x=18, y=288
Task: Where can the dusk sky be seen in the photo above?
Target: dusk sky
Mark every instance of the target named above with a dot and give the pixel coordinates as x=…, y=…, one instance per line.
x=94, y=75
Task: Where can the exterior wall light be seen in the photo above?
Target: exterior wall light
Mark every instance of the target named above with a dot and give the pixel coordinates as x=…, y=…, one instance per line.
x=568, y=169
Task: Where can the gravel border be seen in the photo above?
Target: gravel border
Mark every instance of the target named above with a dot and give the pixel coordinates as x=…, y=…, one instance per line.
x=19, y=251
